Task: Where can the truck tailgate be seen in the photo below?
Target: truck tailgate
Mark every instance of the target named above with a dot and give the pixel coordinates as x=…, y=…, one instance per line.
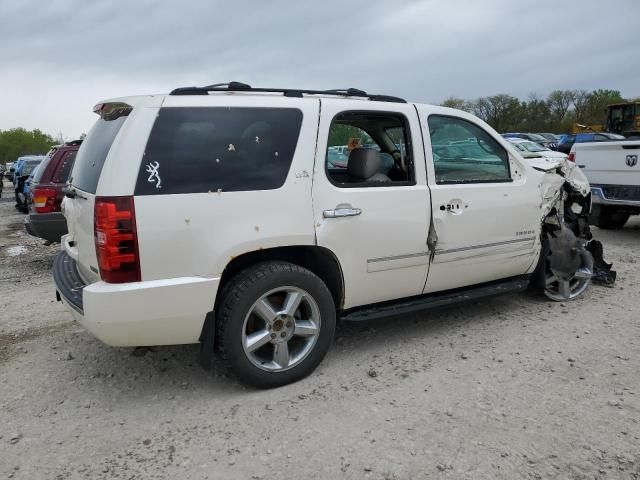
x=609, y=163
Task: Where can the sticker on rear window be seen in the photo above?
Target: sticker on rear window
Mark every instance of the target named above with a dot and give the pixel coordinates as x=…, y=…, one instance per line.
x=154, y=176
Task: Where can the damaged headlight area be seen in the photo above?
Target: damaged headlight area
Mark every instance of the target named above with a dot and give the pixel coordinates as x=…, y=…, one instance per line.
x=570, y=258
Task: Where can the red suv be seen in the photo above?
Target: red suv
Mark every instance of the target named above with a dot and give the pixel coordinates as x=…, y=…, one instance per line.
x=45, y=218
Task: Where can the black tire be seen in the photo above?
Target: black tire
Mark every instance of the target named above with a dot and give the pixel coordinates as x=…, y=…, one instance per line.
x=239, y=295
x=608, y=218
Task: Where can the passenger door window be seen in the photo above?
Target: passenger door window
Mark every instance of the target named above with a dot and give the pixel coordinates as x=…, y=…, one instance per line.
x=465, y=153
x=369, y=149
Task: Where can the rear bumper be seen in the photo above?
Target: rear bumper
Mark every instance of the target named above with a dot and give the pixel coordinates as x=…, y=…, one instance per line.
x=156, y=312
x=50, y=226
x=618, y=195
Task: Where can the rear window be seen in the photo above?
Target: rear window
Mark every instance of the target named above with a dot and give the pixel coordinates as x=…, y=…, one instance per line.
x=38, y=176
x=63, y=170
x=210, y=149
x=93, y=153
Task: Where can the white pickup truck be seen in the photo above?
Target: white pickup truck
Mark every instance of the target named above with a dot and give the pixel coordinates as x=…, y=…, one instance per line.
x=614, y=174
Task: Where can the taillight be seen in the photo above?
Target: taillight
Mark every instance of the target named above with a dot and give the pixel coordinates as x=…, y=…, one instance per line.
x=44, y=200
x=116, y=238
x=572, y=157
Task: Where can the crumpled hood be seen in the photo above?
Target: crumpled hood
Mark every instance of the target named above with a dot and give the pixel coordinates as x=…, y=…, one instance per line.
x=562, y=171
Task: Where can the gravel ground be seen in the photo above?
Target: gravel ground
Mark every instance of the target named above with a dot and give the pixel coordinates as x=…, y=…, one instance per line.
x=507, y=388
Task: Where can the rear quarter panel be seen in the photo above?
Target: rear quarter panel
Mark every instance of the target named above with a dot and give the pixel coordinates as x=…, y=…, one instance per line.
x=198, y=234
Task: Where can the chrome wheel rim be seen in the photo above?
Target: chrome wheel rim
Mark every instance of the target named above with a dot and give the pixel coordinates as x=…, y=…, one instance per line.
x=281, y=329
x=561, y=289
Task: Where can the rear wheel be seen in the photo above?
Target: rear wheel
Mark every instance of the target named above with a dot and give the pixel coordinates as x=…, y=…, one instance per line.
x=275, y=323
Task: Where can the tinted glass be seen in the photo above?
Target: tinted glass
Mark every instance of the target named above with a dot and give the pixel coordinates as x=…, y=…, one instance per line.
x=93, y=153
x=213, y=149
x=464, y=153
x=43, y=166
x=64, y=167
x=385, y=133
x=30, y=167
x=534, y=147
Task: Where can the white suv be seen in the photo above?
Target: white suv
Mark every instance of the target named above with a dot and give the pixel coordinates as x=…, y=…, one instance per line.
x=212, y=215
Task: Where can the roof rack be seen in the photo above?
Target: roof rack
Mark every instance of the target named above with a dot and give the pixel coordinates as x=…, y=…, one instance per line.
x=287, y=92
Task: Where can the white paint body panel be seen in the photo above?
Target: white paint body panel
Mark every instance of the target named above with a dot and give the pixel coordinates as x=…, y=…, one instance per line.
x=484, y=240
x=157, y=312
x=186, y=240
x=604, y=163
x=383, y=251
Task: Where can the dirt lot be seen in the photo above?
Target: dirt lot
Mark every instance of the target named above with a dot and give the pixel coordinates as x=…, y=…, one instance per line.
x=507, y=388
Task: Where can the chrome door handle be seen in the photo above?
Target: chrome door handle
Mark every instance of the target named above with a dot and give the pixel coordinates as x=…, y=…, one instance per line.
x=339, y=212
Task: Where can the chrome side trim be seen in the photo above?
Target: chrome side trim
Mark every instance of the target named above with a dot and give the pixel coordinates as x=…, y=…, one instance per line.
x=485, y=245
x=397, y=257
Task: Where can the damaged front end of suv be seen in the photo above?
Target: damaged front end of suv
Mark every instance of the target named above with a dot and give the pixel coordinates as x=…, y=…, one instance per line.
x=570, y=258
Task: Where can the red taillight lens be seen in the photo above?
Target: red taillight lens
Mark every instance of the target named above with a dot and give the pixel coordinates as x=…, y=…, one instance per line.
x=572, y=157
x=44, y=200
x=116, y=238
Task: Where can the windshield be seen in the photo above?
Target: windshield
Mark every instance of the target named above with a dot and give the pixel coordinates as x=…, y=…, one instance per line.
x=536, y=138
x=533, y=147
x=614, y=136
x=29, y=167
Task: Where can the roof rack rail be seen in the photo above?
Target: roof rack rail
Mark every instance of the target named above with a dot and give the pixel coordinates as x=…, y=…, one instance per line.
x=287, y=92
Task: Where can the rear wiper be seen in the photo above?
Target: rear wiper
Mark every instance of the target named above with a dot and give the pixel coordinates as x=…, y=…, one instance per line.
x=71, y=192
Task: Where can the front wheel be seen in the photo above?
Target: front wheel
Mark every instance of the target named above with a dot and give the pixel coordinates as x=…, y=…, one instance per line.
x=275, y=324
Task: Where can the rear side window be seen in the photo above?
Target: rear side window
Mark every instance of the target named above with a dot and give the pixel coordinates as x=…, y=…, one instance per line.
x=63, y=170
x=210, y=149
x=43, y=166
x=93, y=153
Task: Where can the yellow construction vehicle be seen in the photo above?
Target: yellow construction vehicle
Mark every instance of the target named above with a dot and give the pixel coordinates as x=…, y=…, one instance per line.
x=624, y=118
x=621, y=118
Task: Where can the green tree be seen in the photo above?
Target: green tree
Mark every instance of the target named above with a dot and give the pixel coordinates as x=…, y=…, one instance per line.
x=19, y=141
x=458, y=103
x=559, y=102
x=536, y=115
x=502, y=112
x=580, y=100
x=597, y=104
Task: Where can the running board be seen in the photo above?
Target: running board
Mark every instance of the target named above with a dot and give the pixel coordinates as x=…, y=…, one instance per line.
x=436, y=300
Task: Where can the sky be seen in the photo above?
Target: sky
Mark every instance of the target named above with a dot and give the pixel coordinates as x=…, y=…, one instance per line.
x=58, y=58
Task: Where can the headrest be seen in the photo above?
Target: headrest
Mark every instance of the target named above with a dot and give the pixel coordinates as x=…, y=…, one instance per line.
x=363, y=163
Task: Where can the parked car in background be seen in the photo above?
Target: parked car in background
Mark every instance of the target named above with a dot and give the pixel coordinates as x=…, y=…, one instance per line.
x=335, y=159
x=533, y=137
x=8, y=173
x=45, y=218
x=529, y=149
x=162, y=248
x=24, y=166
x=3, y=170
x=552, y=138
x=567, y=141
x=613, y=170
x=25, y=195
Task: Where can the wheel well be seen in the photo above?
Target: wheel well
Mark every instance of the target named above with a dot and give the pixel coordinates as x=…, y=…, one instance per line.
x=319, y=260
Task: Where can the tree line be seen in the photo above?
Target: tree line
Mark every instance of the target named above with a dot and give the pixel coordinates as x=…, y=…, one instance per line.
x=19, y=141
x=556, y=113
